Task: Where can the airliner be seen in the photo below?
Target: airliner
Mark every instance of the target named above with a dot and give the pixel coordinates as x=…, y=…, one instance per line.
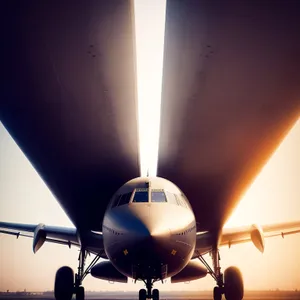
x=149, y=233
x=230, y=93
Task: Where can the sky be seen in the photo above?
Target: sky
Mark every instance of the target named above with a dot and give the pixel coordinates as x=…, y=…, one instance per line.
x=149, y=37
x=273, y=197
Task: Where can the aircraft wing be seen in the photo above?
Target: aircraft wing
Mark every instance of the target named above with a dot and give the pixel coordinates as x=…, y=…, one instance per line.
x=238, y=235
x=69, y=98
x=230, y=94
x=41, y=233
x=256, y=234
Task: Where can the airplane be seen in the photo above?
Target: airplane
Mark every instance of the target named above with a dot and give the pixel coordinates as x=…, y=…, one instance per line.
x=230, y=94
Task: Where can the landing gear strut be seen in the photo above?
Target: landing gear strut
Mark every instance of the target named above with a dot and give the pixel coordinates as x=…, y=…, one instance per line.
x=65, y=285
x=78, y=289
x=231, y=284
x=148, y=294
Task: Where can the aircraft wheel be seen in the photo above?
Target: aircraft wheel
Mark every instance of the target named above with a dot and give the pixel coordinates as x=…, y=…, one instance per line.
x=155, y=294
x=80, y=293
x=233, y=283
x=64, y=284
x=217, y=293
x=142, y=294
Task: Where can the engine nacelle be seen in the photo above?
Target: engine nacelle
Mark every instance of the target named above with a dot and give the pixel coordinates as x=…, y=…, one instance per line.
x=194, y=270
x=39, y=237
x=257, y=237
x=106, y=271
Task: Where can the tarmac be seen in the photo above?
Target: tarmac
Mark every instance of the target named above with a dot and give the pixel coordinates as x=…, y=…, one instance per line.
x=249, y=295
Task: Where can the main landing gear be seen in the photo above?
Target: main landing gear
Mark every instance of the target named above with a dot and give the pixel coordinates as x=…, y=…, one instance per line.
x=65, y=285
x=147, y=294
x=231, y=284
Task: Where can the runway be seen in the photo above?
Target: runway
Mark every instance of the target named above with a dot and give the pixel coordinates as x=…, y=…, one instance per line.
x=249, y=295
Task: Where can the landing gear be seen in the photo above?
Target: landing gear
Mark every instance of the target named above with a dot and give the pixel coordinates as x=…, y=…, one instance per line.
x=78, y=289
x=232, y=283
x=80, y=293
x=155, y=294
x=217, y=293
x=234, y=287
x=64, y=284
x=142, y=294
x=215, y=273
x=147, y=294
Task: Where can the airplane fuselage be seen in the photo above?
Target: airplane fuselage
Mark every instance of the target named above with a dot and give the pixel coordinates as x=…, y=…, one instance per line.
x=149, y=229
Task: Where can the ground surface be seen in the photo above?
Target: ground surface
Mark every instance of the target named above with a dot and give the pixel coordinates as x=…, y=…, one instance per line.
x=250, y=295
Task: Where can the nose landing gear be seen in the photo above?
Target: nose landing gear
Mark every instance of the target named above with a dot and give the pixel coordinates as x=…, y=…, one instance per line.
x=155, y=294
x=142, y=294
x=149, y=294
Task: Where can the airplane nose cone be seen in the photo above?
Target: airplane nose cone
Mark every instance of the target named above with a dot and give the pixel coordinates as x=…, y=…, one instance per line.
x=145, y=227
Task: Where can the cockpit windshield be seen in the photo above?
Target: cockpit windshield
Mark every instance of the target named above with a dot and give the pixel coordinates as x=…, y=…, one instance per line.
x=158, y=196
x=144, y=195
x=141, y=195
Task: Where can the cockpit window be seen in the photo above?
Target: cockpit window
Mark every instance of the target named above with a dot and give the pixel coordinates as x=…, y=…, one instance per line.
x=121, y=199
x=125, y=199
x=186, y=201
x=141, y=195
x=158, y=196
x=116, y=201
x=171, y=198
x=180, y=201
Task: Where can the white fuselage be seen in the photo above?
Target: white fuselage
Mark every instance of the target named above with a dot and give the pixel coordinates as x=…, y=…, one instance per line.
x=149, y=229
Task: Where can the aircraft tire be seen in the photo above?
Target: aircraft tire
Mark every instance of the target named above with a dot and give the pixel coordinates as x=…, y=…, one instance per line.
x=217, y=293
x=233, y=284
x=155, y=294
x=64, y=284
x=80, y=293
x=142, y=294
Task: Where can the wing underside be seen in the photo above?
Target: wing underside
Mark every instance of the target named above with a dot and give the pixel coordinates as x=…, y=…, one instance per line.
x=51, y=234
x=232, y=236
x=253, y=233
x=69, y=101
x=230, y=94
x=41, y=233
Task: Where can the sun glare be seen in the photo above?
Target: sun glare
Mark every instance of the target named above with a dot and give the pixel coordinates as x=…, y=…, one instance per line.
x=149, y=36
x=276, y=183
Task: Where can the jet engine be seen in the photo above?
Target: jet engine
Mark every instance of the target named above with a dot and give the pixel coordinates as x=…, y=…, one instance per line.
x=194, y=270
x=106, y=271
x=257, y=237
